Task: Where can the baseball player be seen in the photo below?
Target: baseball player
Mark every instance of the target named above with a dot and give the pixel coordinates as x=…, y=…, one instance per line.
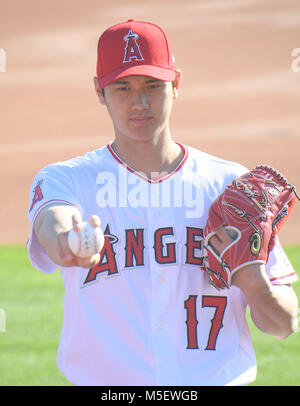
x=141, y=311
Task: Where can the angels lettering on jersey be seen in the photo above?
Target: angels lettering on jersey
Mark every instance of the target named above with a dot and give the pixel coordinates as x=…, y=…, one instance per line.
x=134, y=250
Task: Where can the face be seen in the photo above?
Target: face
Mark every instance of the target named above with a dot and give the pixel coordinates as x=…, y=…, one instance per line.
x=139, y=106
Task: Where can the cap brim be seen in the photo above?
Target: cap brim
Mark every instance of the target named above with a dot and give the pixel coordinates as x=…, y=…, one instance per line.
x=155, y=72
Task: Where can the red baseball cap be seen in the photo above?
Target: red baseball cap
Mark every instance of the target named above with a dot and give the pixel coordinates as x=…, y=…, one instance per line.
x=134, y=48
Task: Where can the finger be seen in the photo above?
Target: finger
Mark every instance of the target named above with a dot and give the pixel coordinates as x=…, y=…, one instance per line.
x=216, y=244
x=225, y=236
x=76, y=222
x=66, y=254
x=88, y=262
x=94, y=220
x=221, y=240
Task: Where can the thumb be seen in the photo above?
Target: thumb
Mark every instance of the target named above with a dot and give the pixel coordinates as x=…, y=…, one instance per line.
x=95, y=221
x=76, y=221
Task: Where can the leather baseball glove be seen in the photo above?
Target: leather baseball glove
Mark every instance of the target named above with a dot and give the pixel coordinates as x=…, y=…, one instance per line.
x=252, y=210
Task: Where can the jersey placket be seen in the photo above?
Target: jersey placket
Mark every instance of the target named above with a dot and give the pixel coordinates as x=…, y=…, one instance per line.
x=161, y=293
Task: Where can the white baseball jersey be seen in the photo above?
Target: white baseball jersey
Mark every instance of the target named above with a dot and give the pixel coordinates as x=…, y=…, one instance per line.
x=146, y=313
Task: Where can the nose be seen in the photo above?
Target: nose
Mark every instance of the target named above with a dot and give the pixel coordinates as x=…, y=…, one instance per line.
x=140, y=101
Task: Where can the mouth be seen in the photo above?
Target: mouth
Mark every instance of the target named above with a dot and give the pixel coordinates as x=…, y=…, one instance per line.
x=140, y=120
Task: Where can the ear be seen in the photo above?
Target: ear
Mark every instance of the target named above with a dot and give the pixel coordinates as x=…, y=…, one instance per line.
x=98, y=90
x=176, y=84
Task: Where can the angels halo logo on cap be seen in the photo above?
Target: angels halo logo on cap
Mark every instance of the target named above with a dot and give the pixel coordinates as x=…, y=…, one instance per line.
x=134, y=48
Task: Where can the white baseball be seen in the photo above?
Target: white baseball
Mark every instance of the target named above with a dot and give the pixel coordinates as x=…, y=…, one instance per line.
x=86, y=242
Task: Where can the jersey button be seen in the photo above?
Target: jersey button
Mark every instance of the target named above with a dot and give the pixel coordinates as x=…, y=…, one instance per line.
x=162, y=325
x=161, y=278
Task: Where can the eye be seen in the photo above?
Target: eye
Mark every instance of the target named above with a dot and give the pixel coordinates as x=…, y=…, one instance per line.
x=155, y=86
x=122, y=88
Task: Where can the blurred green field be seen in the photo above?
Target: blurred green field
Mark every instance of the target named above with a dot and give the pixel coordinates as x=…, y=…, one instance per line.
x=33, y=305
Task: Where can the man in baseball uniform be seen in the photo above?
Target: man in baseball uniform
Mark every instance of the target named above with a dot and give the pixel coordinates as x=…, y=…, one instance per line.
x=141, y=311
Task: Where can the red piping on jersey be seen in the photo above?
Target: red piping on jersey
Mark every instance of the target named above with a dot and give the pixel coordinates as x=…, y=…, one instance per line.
x=158, y=179
x=50, y=201
x=282, y=277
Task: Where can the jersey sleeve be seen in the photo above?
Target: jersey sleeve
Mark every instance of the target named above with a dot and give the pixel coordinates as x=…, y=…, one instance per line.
x=279, y=269
x=53, y=184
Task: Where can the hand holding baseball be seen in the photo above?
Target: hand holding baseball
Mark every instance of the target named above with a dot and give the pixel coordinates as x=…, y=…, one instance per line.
x=86, y=239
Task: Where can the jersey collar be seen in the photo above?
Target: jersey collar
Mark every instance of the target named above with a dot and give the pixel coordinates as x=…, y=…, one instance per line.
x=158, y=179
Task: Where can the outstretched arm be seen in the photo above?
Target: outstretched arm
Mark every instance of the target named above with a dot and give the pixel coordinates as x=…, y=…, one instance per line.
x=51, y=228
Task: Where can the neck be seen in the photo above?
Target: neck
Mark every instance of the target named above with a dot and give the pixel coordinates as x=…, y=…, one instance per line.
x=151, y=158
